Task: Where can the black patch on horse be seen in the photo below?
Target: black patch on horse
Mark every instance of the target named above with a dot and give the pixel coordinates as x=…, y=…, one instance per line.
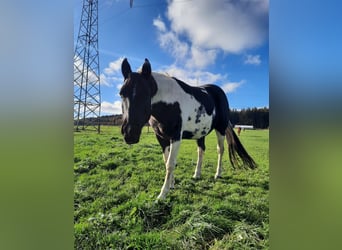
x=221, y=118
x=187, y=135
x=200, y=143
x=166, y=120
x=199, y=113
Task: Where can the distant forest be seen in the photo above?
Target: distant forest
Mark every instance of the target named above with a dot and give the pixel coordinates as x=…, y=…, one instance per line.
x=258, y=117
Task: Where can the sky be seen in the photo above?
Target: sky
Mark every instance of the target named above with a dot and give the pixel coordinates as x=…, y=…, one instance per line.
x=222, y=42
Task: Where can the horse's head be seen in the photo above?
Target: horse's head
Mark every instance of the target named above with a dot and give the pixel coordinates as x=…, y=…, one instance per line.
x=136, y=94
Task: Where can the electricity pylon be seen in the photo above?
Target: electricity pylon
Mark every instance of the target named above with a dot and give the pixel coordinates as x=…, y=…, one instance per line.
x=87, y=96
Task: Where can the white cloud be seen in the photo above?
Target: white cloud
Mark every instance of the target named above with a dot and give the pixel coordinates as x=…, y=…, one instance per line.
x=111, y=75
x=92, y=77
x=114, y=67
x=200, y=58
x=108, y=108
x=253, y=59
x=198, y=32
x=105, y=80
x=231, y=26
x=169, y=41
x=159, y=24
x=192, y=77
x=190, y=56
x=230, y=87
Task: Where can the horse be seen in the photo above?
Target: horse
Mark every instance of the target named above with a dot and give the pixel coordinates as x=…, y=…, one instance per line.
x=176, y=111
x=238, y=131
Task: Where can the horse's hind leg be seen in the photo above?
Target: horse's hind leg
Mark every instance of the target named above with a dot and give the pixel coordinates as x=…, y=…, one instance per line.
x=220, y=150
x=200, y=153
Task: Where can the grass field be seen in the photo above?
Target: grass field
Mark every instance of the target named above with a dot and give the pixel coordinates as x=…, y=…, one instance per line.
x=116, y=186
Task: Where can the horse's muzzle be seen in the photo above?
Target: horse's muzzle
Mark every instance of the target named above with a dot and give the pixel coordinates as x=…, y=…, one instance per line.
x=130, y=140
x=131, y=133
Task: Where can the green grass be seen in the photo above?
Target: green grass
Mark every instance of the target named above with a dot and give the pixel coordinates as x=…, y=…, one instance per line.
x=116, y=186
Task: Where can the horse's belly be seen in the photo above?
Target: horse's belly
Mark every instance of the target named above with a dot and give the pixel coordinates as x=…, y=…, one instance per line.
x=197, y=127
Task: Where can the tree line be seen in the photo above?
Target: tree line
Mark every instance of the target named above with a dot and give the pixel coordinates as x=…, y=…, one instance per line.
x=258, y=117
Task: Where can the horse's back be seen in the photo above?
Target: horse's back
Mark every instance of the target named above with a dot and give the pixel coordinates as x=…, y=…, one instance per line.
x=199, y=109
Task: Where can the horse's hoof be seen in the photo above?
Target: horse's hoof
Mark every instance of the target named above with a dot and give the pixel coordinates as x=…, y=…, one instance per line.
x=196, y=177
x=218, y=177
x=160, y=197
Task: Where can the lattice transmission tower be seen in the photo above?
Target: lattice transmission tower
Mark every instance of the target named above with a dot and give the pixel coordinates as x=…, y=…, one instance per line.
x=87, y=95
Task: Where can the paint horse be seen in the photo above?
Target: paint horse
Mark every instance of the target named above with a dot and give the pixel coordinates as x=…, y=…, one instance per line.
x=177, y=111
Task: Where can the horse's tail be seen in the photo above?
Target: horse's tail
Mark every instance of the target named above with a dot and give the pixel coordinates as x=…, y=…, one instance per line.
x=236, y=150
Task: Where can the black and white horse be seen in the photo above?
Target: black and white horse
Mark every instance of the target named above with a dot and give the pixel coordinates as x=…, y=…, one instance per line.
x=177, y=111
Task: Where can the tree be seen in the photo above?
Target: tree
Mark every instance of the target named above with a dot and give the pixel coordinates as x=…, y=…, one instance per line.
x=258, y=117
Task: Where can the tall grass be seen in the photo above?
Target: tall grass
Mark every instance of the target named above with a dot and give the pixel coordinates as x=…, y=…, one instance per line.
x=116, y=186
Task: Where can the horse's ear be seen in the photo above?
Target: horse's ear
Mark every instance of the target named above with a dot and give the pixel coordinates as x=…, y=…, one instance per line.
x=125, y=68
x=146, y=69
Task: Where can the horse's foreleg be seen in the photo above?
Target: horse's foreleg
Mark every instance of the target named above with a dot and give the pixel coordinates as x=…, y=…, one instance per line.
x=166, y=157
x=170, y=165
x=220, y=150
x=166, y=153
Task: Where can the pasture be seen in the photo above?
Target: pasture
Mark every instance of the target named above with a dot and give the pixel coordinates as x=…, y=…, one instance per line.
x=116, y=186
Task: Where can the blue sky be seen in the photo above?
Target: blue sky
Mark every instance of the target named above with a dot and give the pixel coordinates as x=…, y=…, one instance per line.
x=219, y=42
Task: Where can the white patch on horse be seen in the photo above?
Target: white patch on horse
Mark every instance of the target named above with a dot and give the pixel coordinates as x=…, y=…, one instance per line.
x=199, y=122
x=203, y=90
x=220, y=150
x=166, y=153
x=170, y=165
x=125, y=106
x=198, y=170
